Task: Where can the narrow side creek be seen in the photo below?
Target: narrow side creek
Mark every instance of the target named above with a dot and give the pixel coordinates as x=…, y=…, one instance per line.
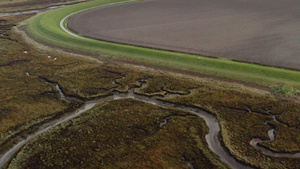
x=255, y=143
x=30, y=11
x=212, y=137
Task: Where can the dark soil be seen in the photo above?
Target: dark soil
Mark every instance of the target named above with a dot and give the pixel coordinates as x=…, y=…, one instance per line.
x=264, y=32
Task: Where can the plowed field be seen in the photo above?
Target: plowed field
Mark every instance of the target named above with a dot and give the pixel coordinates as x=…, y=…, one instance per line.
x=264, y=32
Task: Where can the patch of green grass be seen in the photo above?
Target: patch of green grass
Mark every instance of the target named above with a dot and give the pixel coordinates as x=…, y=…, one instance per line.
x=122, y=134
x=284, y=90
x=46, y=28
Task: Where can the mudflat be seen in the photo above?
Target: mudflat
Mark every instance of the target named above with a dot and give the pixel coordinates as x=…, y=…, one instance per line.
x=265, y=32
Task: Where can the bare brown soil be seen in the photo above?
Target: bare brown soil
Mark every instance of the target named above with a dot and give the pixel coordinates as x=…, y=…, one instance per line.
x=264, y=32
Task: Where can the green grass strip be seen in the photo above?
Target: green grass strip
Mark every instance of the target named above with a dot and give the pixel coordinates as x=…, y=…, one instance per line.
x=46, y=28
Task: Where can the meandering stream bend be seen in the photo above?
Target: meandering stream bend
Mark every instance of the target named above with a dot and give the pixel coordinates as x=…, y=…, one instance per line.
x=255, y=143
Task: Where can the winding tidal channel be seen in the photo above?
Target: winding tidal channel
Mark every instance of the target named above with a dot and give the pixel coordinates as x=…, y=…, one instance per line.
x=212, y=137
x=211, y=121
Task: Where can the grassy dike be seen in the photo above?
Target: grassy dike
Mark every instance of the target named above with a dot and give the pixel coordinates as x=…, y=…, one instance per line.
x=46, y=28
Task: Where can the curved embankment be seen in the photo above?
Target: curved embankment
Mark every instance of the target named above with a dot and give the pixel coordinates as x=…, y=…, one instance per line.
x=46, y=28
x=221, y=28
x=211, y=121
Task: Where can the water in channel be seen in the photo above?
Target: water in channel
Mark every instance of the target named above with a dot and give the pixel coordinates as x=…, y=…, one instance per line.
x=211, y=121
x=212, y=137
